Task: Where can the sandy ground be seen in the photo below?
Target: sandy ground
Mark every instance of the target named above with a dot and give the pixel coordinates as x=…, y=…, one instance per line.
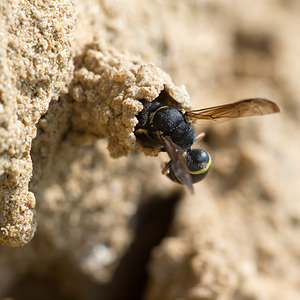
x=115, y=228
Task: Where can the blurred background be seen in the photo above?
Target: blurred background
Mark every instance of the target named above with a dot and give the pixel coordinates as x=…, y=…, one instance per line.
x=118, y=229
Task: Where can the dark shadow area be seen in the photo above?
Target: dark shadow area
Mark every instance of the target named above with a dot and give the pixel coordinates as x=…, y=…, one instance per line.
x=60, y=277
x=153, y=220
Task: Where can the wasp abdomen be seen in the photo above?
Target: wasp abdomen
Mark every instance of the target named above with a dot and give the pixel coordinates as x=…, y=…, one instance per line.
x=198, y=162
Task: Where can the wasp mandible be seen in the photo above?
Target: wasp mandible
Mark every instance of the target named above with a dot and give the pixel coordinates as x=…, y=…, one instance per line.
x=170, y=129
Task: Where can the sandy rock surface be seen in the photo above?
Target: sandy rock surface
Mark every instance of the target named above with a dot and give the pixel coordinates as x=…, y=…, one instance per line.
x=116, y=228
x=35, y=66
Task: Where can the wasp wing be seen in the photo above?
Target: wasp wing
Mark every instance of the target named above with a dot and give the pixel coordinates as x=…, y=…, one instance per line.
x=177, y=164
x=242, y=108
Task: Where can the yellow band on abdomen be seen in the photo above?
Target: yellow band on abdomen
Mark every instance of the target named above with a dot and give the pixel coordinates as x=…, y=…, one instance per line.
x=202, y=170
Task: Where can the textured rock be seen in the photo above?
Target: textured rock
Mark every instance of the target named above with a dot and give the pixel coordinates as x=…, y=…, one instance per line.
x=106, y=88
x=35, y=66
x=74, y=174
x=236, y=238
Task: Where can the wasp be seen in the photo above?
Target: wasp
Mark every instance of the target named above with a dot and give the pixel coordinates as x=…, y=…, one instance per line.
x=166, y=127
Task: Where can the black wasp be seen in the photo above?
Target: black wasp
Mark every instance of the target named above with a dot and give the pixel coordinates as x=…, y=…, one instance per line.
x=165, y=127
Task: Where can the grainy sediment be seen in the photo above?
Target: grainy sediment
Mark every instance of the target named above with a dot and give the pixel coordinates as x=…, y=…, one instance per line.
x=106, y=88
x=35, y=66
x=235, y=238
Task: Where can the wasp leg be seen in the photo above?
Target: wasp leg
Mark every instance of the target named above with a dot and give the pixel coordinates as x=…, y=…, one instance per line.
x=159, y=135
x=199, y=137
x=142, y=131
x=166, y=167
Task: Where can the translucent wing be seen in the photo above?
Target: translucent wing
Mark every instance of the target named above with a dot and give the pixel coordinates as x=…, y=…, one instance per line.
x=177, y=164
x=242, y=108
